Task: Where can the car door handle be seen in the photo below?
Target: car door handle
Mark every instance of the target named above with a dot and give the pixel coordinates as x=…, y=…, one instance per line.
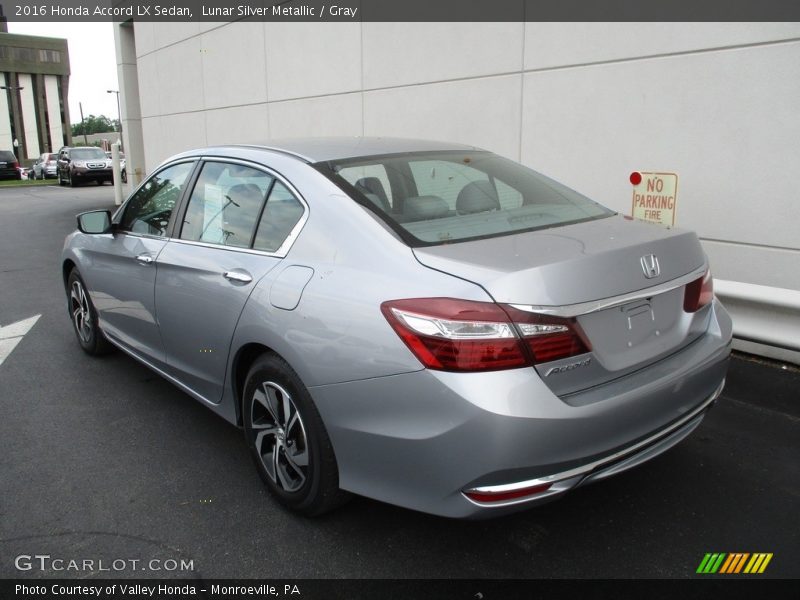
x=238, y=276
x=145, y=259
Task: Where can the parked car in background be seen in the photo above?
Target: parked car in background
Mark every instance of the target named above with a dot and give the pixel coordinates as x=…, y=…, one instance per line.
x=46, y=166
x=9, y=165
x=122, y=170
x=83, y=164
x=426, y=324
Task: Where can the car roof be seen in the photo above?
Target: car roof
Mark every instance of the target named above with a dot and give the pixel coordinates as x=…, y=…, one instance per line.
x=329, y=148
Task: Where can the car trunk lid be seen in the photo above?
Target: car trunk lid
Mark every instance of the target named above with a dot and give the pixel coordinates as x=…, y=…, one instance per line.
x=600, y=273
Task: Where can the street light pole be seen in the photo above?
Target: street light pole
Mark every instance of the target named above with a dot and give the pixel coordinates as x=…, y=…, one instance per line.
x=119, y=114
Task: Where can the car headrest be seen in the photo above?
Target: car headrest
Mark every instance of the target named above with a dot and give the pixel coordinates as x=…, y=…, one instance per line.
x=375, y=199
x=475, y=197
x=419, y=208
x=373, y=185
x=246, y=192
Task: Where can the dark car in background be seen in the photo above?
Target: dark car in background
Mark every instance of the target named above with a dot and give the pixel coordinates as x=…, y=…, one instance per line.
x=83, y=164
x=46, y=166
x=9, y=165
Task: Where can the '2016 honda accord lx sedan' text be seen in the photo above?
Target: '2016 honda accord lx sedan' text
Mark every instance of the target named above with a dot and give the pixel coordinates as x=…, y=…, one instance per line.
x=426, y=324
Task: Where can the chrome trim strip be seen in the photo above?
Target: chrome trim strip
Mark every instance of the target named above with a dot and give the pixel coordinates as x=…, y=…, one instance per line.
x=174, y=381
x=589, y=467
x=226, y=248
x=575, y=310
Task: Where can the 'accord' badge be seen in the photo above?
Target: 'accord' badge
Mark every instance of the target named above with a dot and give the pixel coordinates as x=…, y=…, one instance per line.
x=569, y=367
x=650, y=266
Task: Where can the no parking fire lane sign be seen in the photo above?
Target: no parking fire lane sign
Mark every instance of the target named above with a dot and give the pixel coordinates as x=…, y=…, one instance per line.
x=655, y=197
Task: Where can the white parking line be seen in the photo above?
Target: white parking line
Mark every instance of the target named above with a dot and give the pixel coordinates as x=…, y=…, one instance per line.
x=12, y=334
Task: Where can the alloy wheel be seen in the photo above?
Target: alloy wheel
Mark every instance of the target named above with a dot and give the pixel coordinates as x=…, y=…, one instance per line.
x=280, y=436
x=81, y=314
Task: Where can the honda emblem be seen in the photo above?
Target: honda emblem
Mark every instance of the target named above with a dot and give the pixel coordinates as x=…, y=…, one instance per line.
x=650, y=266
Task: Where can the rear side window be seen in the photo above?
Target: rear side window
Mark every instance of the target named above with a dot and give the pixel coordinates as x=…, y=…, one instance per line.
x=282, y=212
x=226, y=204
x=445, y=197
x=239, y=206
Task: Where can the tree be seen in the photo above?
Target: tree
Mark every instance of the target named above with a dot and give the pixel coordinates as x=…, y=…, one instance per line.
x=94, y=124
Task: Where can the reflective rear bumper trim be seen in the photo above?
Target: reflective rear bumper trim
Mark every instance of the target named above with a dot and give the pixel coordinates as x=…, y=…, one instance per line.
x=575, y=310
x=575, y=475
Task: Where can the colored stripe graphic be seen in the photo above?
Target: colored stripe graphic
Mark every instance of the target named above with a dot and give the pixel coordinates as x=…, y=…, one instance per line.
x=734, y=563
x=711, y=563
x=758, y=563
x=723, y=563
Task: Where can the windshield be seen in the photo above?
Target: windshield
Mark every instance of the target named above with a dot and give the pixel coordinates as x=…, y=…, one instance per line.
x=87, y=153
x=434, y=198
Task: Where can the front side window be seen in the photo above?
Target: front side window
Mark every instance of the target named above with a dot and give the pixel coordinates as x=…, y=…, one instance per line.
x=226, y=204
x=445, y=197
x=149, y=210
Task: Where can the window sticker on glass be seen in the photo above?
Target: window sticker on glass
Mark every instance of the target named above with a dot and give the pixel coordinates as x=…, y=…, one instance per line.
x=212, y=214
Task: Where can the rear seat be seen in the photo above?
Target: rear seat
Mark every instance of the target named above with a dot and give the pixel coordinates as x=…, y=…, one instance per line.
x=424, y=208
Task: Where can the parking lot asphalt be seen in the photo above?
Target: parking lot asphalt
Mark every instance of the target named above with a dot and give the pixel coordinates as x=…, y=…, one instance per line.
x=102, y=459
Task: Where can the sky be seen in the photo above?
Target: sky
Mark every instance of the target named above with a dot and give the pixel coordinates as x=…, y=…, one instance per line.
x=93, y=64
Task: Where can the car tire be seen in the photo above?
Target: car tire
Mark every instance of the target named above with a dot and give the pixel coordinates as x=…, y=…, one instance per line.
x=287, y=439
x=84, y=317
x=72, y=182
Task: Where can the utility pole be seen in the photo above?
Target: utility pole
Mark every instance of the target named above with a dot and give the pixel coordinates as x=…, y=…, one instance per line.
x=83, y=125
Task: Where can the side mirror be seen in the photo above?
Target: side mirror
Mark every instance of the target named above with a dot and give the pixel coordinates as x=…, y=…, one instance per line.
x=95, y=221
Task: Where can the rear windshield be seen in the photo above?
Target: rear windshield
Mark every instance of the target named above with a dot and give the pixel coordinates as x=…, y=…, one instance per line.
x=86, y=153
x=433, y=198
x=7, y=156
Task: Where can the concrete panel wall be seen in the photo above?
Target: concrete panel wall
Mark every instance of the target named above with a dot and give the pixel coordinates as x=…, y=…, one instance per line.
x=6, y=140
x=725, y=121
x=54, y=112
x=584, y=102
x=28, y=108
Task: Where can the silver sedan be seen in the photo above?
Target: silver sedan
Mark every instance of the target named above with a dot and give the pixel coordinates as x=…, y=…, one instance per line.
x=427, y=324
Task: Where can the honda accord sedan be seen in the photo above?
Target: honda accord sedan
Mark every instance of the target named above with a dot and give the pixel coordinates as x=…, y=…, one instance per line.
x=426, y=324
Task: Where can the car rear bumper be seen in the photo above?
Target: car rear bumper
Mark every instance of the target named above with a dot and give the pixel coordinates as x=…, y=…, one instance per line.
x=421, y=439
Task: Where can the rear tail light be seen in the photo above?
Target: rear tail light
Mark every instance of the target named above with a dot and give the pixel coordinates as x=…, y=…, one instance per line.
x=15, y=165
x=549, y=338
x=698, y=293
x=463, y=335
